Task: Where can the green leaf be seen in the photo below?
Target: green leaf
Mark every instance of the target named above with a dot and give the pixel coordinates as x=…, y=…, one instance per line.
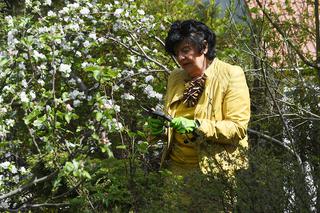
x=143, y=147
x=31, y=116
x=68, y=117
x=3, y=61
x=99, y=116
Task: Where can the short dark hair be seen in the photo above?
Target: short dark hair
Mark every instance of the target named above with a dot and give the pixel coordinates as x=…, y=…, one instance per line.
x=194, y=31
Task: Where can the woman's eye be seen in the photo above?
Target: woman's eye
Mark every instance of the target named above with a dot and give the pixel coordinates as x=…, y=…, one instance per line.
x=185, y=50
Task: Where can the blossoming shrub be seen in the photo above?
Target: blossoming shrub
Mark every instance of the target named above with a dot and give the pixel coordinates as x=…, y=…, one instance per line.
x=72, y=82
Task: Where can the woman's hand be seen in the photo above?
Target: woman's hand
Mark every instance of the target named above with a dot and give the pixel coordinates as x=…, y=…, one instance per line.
x=183, y=125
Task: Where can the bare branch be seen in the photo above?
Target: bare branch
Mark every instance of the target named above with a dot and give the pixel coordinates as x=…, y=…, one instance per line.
x=278, y=108
x=269, y=138
x=295, y=106
x=28, y=185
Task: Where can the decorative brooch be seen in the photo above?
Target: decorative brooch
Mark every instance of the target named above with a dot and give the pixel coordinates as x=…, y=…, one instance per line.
x=193, y=90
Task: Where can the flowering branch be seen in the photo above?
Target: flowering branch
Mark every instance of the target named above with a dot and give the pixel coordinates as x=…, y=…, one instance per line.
x=148, y=57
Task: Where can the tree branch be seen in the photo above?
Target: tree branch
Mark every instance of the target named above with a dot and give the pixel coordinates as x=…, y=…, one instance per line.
x=28, y=185
x=163, y=44
x=278, y=28
x=269, y=138
x=28, y=206
x=148, y=57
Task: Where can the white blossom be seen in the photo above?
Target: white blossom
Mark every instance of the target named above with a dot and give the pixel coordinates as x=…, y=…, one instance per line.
x=23, y=170
x=64, y=10
x=86, y=44
x=3, y=110
x=101, y=39
x=65, y=68
x=25, y=56
x=117, y=108
x=32, y=95
x=28, y=3
x=118, y=12
x=9, y=122
x=51, y=13
x=78, y=54
x=69, y=107
x=151, y=93
x=24, y=83
x=38, y=55
x=74, y=26
x=74, y=5
x=148, y=78
x=117, y=124
x=84, y=64
x=141, y=12
x=115, y=87
x=84, y=11
x=22, y=66
x=142, y=70
x=93, y=36
x=127, y=96
x=47, y=2
x=74, y=94
x=76, y=103
x=41, y=82
x=14, y=169
x=23, y=97
x=5, y=165
x=48, y=108
x=9, y=20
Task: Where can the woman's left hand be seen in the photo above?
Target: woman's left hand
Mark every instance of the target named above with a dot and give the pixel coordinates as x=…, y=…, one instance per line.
x=183, y=125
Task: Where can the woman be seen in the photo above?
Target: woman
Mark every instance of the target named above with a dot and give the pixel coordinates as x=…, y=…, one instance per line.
x=209, y=102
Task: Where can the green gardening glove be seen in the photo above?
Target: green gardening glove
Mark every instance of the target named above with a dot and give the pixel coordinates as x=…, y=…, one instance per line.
x=183, y=125
x=156, y=126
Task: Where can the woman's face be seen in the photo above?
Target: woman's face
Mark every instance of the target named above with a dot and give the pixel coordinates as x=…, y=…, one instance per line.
x=190, y=59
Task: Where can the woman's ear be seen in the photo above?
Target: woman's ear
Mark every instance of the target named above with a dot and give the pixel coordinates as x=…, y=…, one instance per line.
x=205, y=50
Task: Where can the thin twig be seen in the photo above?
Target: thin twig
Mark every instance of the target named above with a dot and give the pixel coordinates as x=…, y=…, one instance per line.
x=34, y=140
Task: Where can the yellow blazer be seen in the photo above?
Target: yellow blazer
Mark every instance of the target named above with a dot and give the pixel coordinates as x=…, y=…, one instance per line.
x=223, y=112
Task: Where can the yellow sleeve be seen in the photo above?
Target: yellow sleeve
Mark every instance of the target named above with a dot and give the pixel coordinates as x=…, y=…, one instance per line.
x=236, y=112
